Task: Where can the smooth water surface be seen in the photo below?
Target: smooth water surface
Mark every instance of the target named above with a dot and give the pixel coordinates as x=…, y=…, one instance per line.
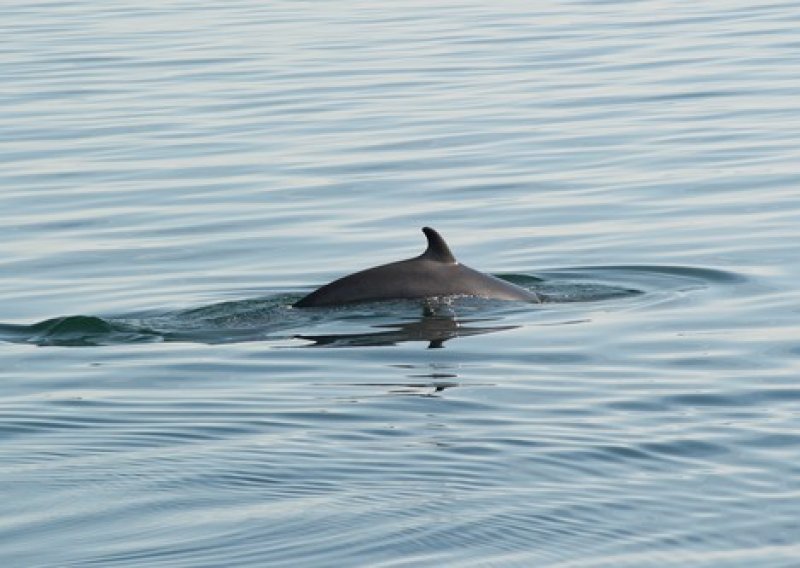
x=173, y=177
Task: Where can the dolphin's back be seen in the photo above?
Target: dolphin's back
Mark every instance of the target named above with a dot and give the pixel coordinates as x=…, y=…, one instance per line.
x=434, y=273
x=398, y=280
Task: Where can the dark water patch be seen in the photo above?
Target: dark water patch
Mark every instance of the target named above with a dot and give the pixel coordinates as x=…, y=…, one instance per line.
x=560, y=287
x=774, y=441
x=604, y=283
x=687, y=448
x=708, y=399
x=646, y=284
x=646, y=276
x=776, y=395
x=78, y=331
x=638, y=406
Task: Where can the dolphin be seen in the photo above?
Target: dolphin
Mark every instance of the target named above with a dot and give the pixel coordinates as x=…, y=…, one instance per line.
x=434, y=273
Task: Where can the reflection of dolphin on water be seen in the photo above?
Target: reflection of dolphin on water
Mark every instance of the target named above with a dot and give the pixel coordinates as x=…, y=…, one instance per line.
x=434, y=273
x=434, y=329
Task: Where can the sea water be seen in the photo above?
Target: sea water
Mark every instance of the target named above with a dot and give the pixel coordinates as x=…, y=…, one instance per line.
x=174, y=175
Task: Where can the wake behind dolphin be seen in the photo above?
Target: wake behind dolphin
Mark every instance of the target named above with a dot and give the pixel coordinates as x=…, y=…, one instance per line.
x=270, y=318
x=434, y=273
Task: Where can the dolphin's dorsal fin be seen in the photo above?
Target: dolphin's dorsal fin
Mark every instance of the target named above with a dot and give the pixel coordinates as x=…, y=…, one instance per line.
x=437, y=249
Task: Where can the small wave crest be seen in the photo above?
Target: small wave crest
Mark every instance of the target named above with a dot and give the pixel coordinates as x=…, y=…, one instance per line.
x=74, y=331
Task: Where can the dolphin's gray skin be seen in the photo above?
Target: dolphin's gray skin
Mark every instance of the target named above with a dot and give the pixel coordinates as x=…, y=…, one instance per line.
x=434, y=273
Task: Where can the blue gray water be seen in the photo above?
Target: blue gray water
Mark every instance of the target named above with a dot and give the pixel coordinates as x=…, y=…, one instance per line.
x=174, y=176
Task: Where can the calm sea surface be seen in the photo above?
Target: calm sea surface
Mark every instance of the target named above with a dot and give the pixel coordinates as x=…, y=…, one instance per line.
x=174, y=175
